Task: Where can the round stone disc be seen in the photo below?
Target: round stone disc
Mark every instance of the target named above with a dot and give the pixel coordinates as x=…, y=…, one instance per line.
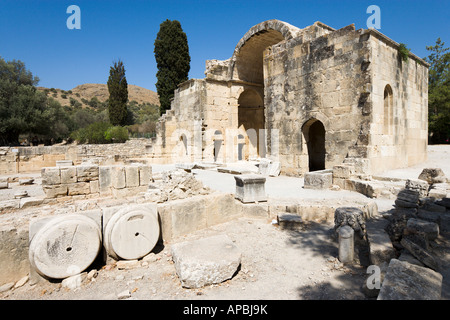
x=65, y=246
x=132, y=234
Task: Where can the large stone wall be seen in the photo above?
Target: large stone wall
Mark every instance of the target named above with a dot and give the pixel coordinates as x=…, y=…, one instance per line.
x=319, y=80
x=32, y=159
x=323, y=103
x=116, y=180
x=398, y=134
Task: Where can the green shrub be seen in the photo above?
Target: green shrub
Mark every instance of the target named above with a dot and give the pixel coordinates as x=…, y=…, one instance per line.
x=64, y=96
x=93, y=133
x=403, y=51
x=116, y=134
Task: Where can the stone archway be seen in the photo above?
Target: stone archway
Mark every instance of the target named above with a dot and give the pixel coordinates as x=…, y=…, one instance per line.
x=247, y=60
x=314, y=135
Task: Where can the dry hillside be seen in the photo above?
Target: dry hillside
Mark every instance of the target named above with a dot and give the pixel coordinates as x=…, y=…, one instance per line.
x=89, y=90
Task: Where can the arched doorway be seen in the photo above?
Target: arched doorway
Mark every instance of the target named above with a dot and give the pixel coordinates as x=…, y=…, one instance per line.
x=314, y=134
x=250, y=121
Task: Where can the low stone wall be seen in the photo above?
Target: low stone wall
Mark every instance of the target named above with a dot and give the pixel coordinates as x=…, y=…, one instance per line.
x=177, y=218
x=32, y=159
x=116, y=180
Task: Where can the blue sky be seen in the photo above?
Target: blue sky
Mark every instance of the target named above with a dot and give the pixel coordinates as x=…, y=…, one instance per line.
x=36, y=32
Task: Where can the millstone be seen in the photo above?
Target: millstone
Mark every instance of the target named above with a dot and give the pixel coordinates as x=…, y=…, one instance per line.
x=65, y=246
x=132, y=232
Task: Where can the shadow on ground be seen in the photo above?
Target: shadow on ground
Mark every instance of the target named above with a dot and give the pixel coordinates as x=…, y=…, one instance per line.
x=336, y=281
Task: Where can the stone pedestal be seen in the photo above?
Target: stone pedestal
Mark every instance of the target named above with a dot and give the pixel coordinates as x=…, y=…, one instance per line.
x=250, y=188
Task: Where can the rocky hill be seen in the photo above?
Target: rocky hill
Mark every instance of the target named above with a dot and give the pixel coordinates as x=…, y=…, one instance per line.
x=86, y=92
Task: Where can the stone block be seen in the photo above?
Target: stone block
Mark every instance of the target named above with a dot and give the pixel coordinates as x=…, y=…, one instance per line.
x=145, y=175
x=419, y=185
x=343, y=171
x=55, y=191
x=250, y=188
x=274, y=169
x=322, y=179
x=30, y=201
x=14, y=261
x=206, y=261
x=118, y=180
x=127, y=192
x=79, y=188
x=131, y=176
x=50, y=176
x=94, y=186
x=64, y=163
x=420, y=254
x=104, y=179
x=87, y=173
x=68, y=174
x=289, y=221
x=430, y=229
x=406, y=281
x=4, y=185
x=433, y=175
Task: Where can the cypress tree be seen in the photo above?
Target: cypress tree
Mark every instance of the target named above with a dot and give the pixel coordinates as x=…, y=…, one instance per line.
x=172, y=59
x=118, y=94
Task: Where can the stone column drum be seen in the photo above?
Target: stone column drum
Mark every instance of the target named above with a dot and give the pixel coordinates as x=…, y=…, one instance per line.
x=64, y=246
x=130, y=232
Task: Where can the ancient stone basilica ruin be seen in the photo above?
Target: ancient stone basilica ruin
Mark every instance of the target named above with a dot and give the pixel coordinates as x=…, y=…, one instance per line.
x=309, y=98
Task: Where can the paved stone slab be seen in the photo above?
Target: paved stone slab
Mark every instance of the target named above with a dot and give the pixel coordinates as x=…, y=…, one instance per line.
x=405, y=281
x=206, y=261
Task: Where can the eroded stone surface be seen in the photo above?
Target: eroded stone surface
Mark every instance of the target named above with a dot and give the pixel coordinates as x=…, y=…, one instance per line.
x=206, y=261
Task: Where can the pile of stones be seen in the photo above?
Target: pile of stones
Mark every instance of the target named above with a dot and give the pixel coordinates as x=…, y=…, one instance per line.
x=173, y=185
x=421, y=214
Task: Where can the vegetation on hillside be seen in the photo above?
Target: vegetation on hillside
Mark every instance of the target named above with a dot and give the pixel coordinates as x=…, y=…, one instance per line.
x=439, y=93
x=32, y=115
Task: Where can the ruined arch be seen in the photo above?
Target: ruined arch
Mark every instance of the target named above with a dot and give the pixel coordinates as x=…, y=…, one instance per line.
x=247, y=60
x=250, y=121
x=313, y=132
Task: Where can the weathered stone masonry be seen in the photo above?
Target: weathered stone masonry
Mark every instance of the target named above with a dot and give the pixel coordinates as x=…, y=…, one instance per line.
x=324, y=97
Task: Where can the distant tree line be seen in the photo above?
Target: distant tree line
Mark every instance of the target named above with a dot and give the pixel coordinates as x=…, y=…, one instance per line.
x=438, y=93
